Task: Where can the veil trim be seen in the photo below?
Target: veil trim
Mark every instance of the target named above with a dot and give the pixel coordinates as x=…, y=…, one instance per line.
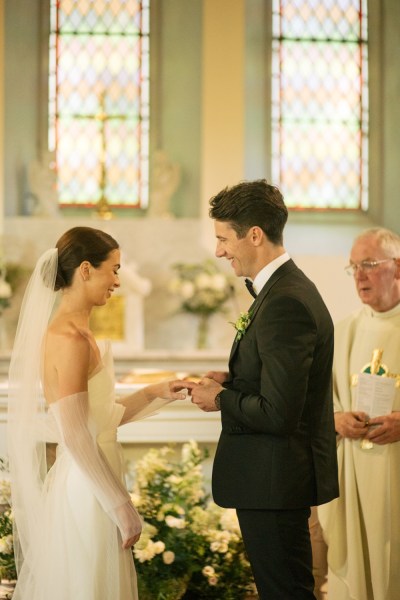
x=26, y=433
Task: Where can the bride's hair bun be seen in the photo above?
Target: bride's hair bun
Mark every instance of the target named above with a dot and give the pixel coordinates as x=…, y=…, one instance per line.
x=47, y=273
x=81, y=244
x=60, y=281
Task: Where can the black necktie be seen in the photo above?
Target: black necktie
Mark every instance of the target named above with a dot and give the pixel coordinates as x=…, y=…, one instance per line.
x=249, y=285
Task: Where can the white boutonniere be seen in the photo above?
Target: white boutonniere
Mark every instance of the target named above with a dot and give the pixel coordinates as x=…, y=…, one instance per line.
x=241, y=324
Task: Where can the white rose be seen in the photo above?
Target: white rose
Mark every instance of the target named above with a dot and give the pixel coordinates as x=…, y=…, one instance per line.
x=159, y=547
x=219, y=546
x=168, y=557
x=5, y=289
x=6, y=544
x=5, y=491
x=174, y=522
x=187, y=290
x=174, y=479
x=203, y=281
x=219, y=282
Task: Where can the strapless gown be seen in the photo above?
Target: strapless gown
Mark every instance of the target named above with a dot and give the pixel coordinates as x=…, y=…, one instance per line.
x=81, y=556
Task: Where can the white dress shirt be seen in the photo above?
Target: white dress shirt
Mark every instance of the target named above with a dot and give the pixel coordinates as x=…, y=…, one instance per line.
x=262, y=276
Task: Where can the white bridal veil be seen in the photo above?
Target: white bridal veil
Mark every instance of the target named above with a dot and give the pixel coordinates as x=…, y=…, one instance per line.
x=26, y=410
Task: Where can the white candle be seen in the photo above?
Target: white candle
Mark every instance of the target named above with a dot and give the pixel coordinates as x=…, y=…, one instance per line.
x=1, y=118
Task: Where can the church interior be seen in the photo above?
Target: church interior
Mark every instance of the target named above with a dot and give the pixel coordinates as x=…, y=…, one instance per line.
x=210, y=126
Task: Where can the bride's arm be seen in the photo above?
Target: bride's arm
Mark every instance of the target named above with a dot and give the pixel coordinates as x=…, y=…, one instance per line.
x=71, y=412
x=142, y=403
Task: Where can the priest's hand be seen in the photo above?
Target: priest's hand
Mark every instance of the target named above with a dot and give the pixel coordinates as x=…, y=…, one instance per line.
x=353, y=425
x=385, y=429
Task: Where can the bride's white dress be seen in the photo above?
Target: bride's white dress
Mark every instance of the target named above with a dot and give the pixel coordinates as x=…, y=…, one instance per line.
x=81, y=556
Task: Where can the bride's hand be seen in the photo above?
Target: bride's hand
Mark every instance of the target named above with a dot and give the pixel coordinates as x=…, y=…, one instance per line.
x=186, y=385
x=129, y=524
x=176, y=389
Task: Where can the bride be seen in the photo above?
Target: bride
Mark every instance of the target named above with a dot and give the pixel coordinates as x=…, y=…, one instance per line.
x=75, y=524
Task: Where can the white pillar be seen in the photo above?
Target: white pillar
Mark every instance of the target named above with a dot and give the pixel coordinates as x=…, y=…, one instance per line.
x=1, y=117
x=223, y=80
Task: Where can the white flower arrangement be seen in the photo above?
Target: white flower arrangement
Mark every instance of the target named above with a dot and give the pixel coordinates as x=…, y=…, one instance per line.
x=202, y=288
x=5, y=291
x=7, y=562
x=190, y=548
x=11, y=276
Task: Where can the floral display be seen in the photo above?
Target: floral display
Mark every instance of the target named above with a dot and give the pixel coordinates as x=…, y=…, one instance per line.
x=190, y=548
x=7, y=563
x=11, y=275
x=5, y=291
x=203, y=289
x=241, y=324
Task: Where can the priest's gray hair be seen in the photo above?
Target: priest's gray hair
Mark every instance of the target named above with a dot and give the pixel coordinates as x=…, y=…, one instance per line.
x=388, y=240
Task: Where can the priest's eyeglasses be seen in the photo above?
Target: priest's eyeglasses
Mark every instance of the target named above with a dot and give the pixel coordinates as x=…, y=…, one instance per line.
x=365, y=266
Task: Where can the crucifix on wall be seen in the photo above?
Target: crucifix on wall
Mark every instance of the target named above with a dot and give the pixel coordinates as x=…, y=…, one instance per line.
x=103, y=207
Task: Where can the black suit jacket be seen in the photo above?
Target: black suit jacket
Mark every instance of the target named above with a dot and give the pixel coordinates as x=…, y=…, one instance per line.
x=277, y=449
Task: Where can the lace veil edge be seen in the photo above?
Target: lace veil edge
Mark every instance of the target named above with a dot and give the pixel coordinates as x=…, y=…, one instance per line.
x=26, y=442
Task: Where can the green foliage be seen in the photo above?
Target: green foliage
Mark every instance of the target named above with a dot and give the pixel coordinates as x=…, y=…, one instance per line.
x=190, y=548
x=7, y=563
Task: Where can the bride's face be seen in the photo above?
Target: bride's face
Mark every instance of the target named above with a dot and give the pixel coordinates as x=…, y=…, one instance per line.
x=105, y=279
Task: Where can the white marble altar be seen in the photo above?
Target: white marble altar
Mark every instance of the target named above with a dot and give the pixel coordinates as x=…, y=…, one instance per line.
x=178, y=421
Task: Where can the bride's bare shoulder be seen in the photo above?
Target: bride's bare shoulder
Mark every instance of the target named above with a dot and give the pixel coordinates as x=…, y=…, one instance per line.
x=66, y=336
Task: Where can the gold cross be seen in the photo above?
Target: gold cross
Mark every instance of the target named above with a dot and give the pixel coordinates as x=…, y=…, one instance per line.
x=375, y=367
x=103, y=207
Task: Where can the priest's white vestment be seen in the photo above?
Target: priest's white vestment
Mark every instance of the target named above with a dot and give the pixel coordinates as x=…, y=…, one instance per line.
x=362, y=526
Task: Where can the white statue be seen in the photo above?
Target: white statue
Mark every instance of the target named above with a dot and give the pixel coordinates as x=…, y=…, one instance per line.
x=134, y=288
x=42, y=181
x=131, y=281
x=165, y=179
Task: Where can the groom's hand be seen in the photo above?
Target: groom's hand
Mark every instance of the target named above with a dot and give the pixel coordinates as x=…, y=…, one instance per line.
x=218, y=376
x=204, y=394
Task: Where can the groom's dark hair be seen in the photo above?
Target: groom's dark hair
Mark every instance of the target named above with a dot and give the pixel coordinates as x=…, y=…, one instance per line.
x=249, y=204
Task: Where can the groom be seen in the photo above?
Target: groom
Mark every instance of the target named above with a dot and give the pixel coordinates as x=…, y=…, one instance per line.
x=276, y=455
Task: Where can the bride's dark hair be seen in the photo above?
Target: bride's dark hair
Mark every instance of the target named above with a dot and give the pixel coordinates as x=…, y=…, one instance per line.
x=77, y=245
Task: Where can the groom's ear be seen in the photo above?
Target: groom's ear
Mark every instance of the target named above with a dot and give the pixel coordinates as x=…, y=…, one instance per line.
x=256, y=235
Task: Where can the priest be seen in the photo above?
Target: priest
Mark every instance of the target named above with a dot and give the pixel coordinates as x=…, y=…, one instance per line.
x=362, y=526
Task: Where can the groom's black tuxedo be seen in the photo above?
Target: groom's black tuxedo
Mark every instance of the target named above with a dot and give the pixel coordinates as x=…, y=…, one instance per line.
x=277, y=449
x=276, y=455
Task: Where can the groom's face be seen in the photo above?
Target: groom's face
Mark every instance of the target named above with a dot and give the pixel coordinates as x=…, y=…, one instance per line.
x=239, y=251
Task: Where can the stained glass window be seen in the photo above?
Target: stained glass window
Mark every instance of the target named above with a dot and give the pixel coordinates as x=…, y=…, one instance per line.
x=320, y=103
x=99, y=101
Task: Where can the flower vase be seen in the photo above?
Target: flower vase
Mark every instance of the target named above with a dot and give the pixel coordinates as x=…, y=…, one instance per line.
x=202, y=331
x=3, y=334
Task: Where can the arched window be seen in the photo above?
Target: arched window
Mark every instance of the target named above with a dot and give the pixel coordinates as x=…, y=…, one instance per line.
x=320, y=103
x=99, y=102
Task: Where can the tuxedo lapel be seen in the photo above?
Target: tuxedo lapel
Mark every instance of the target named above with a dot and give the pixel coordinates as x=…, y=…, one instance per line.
x=236, y=342
x=283, y=270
